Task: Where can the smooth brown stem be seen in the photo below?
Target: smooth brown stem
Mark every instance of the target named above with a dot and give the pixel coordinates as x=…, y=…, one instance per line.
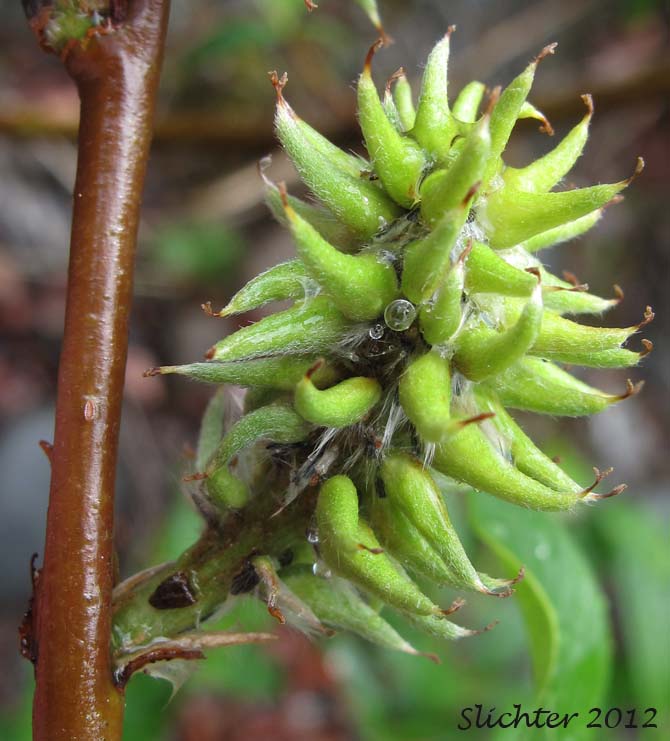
x=117, y=75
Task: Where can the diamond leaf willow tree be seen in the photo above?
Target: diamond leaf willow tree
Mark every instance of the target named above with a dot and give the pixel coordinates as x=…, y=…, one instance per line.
x=421, y=315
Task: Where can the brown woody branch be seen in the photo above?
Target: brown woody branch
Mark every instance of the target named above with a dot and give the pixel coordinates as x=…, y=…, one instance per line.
x=116, y=70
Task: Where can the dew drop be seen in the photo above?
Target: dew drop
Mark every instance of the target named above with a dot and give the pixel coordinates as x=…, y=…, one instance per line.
x=320, y=569
x=312, y=537
x=399, y=314
x=376, y=331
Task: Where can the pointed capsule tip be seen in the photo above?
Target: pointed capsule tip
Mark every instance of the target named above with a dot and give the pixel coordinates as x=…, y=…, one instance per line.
x=471, y=194
x=632, y=389
x=466, y=252
x=397, y=75
x=639, y=166
x=310, y=5
x=279, y=83
x=209, y=311
x=600, y=475
x=648, y=346
x=485, y=629
x=613, y=493
x=150, y=372
x=536, y=272
x=476, y=419
x=507, y=590
x=647, y=319
x=283, y=194
x=367, y=66
x=521, y=575
x=209, y=355
x=588, y=102
x=455, y=606
x=494, y=97
x=618, y=293
x=431, y=657
x=548, y=49
x=546, y=127
x=317, y=365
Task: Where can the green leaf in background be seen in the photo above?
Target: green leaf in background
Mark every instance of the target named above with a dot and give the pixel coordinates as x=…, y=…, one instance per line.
x=563, y=606
x=637, y=555
x=199, y=252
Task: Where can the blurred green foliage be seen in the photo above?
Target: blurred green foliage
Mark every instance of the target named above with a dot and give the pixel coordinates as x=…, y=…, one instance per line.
x=199, y=253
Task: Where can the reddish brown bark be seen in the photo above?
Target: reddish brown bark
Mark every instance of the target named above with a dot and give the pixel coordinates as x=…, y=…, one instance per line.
x=117, y=75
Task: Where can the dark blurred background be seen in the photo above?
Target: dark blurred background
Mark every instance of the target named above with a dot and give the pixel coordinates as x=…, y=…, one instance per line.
x=205, y=231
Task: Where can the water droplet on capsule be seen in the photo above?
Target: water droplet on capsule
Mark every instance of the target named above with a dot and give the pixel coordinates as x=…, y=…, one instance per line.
x=399, y=314
x=376, y=331
x=312, y=537
x=320, y=569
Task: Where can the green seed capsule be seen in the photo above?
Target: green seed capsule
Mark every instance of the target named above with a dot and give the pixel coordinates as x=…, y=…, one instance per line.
x=312, y=326
x=258, y=396
x=441, y=318
x=276, y=423
x=445, y=630
x=406, y=544
x=281, y=372
x=544, y=173
x=468, y=101
x=506, y=111
x=404, y=102
x=538, y=386
x=357, y=202
x=288, y=280
x=359, y=285
x=435, y=127
x=444, y=190
x=412, y=491
x=527, y=457
x=397, y=159
x=227, y=491
x=324, y=221
x=481, y=352
x=470, y=458
x=337, y=513
x=390, y=108
x=473, y=329
x=343, y=161
x=570, y=299
x=562, y=233
x=428, y=260
x=487, y=272
x=338, y=606
x=340, y=535
x=596, y=347
x=578, y=302
x=344, y=404
x=512, y=216
x=425, y=396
